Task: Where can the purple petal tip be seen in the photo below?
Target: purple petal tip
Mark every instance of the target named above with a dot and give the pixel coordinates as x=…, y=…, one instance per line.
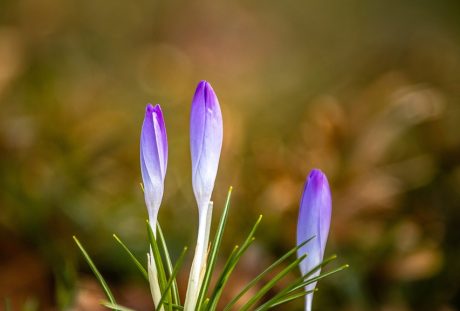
x=315, y=172
x=149, y=108
x=316, y=178
x=157, y=109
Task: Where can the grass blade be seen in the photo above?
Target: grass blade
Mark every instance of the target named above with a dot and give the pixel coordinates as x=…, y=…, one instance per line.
x=319, y=266
x=264, y=273
x=165, y=251
x=269, y=304
x=174, y=306
x=315, y=279
x=289, y=294
x=230, y=266
x=272, y=283
x=172, y=278
x=133, y=258
x=158, y=262
x=298, y=284
x=114, y=306
x=96, y=272
x=210, y=302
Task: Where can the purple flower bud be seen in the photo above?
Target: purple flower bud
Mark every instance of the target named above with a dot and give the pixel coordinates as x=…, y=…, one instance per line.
x=314, y=220
x=205, y=142
x=154, y=159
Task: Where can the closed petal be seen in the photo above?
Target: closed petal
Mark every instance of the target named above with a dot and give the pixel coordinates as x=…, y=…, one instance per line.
x=197, y=124
x=153, y=158
x=161, y=138
x=314, y=221
x=206, y=133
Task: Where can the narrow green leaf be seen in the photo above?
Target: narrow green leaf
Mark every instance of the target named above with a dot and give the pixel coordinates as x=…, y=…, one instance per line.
x=165, y=251
x=295, y=285
x=324, y=263
x=158, y=262
x=133, y=258
x=271, y=304
x=174, y=306
x=96, y=272
x=264, y=273
x=205, y=304
x=213, y=252
x=272, y=283
x=319, y=277
x=230, y=266
x=122, y=308
x=222, y=279
x=114, y=306
x=172, y=278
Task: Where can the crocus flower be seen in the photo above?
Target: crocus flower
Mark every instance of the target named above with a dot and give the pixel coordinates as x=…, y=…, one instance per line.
x=205, y=141
x=154, y=159
x=206, y=132
x=314, y=220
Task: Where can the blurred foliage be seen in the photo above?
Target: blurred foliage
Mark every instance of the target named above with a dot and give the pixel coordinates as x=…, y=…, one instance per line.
x=368, y=91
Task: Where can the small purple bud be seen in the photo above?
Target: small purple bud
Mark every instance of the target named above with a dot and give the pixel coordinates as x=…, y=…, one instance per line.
x=154, y=159
x=314, y=220
x=205, y=142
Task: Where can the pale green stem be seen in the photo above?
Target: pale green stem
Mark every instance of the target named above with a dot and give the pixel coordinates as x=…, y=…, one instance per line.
x=309, y=297
x=152, y=270
x=198, y=268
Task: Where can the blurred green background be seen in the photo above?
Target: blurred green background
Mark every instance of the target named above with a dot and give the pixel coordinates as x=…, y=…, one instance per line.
x=368, y=91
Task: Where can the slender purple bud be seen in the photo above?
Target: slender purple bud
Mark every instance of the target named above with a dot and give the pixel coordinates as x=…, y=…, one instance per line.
x=314, y=220
x=154, y=159
x=205, y=141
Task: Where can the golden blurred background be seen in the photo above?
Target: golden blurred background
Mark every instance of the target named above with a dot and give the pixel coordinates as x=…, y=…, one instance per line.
x=368, y=91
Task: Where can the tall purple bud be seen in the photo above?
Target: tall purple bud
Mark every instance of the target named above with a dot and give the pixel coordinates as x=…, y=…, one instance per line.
x=206, y=132
x=205, y=141
x=154, y=160
x=314, y=220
